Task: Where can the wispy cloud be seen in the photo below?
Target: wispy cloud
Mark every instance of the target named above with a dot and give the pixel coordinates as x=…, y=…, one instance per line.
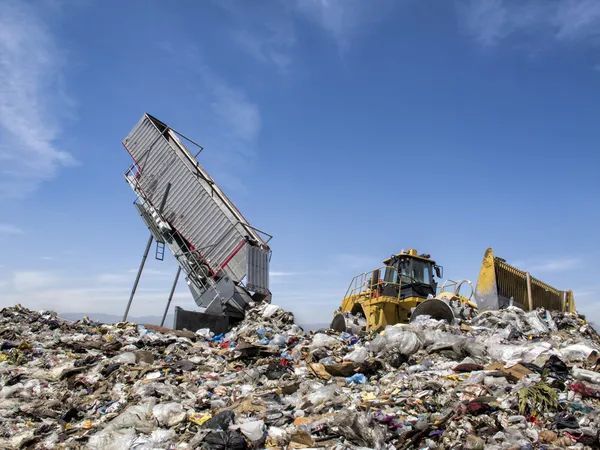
x=28, y=281
x=269, y=33
x=32, y=101
x=6, y=228
x=149, y=271
x=590, y=292
x=264, y=32
x=282, y=274
x=547, y=265
x=64, y=291
x=344, y=20
x=268, y=43
x=564, y=21
x=556, y=265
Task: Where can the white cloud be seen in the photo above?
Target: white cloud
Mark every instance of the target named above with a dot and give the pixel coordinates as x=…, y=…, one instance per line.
x=264, y=32
x=564, y=21
x=103, y=293
x=6, y=228
x=113, y=278
x=282, y=274
x=152, y=272
x=267, y=45
x=32, y=101
x=235, y=111
x=555, y=265
x=344, y=19
x=28, y=281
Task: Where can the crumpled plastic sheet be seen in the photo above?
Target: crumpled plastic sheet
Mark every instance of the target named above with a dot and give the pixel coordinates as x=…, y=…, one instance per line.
x=361, y=429
x=358, y=355
x=402, y=340
x=113, y=439
x=576, y=352
x=323, y=340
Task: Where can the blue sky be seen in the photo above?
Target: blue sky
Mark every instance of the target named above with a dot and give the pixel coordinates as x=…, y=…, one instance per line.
x=347, y=129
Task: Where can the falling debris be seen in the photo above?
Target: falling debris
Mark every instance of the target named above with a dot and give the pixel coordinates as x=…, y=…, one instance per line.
x=496, y=381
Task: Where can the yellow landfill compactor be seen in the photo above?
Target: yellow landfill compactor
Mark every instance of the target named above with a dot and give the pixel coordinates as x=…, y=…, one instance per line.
x=405, y=288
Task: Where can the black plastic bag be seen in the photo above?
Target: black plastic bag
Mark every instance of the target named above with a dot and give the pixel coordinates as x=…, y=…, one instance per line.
x=224, y=440
x=220, y=421
x=558, y=369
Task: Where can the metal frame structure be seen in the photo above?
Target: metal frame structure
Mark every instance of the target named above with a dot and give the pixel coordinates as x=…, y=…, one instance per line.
x=225, y=260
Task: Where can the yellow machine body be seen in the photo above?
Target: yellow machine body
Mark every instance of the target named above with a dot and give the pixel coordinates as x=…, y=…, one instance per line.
x=388, y=295
x=499, y=284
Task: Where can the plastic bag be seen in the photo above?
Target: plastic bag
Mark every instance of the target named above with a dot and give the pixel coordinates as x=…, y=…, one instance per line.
x=279, y=435
x=441, y=339
x=169, y=414
x=322, y=395
x=224, y=440
x=245, y=389
x=425, y=365
x=204, y=333
x=378, y=344
x=269, y=311
x=124, y=358
x=576, y=352
x=358, y=355
x=536, y=324
x=360, y=429
x=278, y=340
x=112, y=439
x=405, y=341
x=323, y=340
x=136, y=417
x=551, y=322
x=357, y=378
x=253, y=430
x=220, y=421
x=159, y=439
x=476, y=377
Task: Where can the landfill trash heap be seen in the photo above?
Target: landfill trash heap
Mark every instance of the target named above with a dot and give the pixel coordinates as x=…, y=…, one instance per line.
x=505, y=379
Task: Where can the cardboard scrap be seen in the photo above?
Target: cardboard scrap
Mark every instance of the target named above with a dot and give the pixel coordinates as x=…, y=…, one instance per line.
x=516, y=372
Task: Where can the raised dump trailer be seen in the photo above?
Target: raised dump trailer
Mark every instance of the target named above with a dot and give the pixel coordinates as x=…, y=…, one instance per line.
x=225, y=260
x=499, y=284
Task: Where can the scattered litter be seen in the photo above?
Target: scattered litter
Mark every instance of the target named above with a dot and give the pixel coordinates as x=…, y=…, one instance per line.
x=504, y=379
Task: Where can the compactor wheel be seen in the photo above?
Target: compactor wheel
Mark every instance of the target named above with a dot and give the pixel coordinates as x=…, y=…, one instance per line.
x=434, y=308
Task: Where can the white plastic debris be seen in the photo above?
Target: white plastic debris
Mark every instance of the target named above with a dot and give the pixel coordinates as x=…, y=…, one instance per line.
x=253, y=430
x=358, y=355
x=269, y=311
x=169, y=414
x=323, y=340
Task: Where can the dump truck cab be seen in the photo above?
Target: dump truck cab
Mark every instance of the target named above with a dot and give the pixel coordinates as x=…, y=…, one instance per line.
x=415, y=274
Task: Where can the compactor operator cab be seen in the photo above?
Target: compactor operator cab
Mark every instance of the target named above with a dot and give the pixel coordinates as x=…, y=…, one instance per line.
x=415, y=274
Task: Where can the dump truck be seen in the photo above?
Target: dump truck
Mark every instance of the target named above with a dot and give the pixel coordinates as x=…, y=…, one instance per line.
x=405, y=287
x=225, y=260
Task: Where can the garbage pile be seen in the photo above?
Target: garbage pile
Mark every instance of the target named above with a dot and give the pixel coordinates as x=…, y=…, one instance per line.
x=503, y=380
